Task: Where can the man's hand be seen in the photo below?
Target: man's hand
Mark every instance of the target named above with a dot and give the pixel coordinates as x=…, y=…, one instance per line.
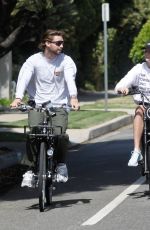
x=74, y=103
x=123, y=91
x=15, y=103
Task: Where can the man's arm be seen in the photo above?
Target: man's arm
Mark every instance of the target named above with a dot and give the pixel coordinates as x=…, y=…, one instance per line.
x=25, y=74
x=129, y=80
x=70, y=75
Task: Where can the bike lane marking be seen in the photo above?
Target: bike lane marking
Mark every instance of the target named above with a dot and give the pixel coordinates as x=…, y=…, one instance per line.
x=114, y=203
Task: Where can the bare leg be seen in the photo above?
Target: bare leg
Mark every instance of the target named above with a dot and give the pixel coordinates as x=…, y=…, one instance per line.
x=138, y=127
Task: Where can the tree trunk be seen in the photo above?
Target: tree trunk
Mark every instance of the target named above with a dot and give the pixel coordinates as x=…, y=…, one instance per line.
x=5, y=75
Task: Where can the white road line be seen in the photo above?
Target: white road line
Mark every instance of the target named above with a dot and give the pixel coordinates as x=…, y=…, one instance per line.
x=114, y=203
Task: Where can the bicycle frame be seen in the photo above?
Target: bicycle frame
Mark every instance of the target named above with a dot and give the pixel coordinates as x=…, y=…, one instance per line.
x=145, y=163
x=43, y=134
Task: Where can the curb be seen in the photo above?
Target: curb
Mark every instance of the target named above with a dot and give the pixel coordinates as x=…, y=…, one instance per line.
x=13, y=158
x=111, y=126
x=97, y=131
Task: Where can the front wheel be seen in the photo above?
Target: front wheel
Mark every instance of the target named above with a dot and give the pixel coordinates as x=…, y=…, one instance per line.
x=42, y=176
x=49, y=191
x=49, y=181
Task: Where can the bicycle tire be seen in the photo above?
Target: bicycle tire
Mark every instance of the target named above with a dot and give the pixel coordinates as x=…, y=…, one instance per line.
x=49, y=182
x=42, y=177
x=141, y=163
x=49, y=191
x=148, y=165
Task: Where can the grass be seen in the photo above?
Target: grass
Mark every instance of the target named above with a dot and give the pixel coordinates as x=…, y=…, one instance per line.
x=86, y=119
x=77, y=120
x=120, y=102
x=4, y=102
x=14, y=124
x=90, y=114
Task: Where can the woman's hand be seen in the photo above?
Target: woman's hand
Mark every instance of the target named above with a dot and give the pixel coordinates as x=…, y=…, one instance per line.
x=123, y=91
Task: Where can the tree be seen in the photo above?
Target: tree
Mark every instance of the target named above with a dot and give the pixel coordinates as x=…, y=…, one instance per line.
x=136, y=53
x=87, y=33
x=25, y=20
x=131, y=19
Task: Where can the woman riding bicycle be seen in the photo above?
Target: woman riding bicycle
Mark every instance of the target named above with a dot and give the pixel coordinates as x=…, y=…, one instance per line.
x=50, y=76
x=138, y=76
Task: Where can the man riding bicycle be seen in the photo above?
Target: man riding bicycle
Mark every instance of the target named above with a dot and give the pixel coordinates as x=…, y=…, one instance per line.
x=50, y=76
x=138, y=76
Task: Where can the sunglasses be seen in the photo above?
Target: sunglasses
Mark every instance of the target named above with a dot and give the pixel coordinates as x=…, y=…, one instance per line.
x=57, y=43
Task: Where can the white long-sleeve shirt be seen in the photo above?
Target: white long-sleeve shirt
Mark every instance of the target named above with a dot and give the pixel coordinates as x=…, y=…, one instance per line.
x=138, y=76
x=46, y=79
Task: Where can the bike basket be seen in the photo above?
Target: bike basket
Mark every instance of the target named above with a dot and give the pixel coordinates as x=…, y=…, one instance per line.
x=35, y=118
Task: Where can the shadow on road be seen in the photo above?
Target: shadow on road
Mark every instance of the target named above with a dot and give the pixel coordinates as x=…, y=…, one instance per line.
x=137, y=195
x=92, y=167
x=61, y=204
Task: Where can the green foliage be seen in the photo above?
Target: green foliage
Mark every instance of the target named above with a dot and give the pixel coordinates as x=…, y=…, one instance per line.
x=131, y=19
x=88, y=86
x=39, y=16
x=136, y=53
x=81, y=20
x=89, y=13
x=97, y=65
x=32, y=5
x=87, y=32
x=4, y=102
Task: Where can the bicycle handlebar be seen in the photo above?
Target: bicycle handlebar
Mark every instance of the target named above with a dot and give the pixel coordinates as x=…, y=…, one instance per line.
x=47, y=106
x=131, y=91
x=135, y=90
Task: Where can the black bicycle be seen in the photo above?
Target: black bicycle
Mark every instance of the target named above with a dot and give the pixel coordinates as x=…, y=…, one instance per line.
x=42, y=136
x=145, y=142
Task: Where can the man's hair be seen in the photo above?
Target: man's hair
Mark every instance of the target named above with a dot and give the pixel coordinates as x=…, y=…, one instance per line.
x=48, y=36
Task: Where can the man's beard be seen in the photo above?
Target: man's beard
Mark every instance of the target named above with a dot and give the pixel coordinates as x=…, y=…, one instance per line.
x=56, y=52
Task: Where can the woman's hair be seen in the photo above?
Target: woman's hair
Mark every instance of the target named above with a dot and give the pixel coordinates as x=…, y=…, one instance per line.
x=48, y=36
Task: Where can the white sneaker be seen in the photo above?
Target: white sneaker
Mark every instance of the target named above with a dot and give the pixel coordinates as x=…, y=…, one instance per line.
x=135, y=157
x=28, y=179
x=61, y=173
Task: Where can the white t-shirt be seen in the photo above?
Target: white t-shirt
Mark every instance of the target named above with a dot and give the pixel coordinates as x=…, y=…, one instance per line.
x=46, y=79
x=138, y=76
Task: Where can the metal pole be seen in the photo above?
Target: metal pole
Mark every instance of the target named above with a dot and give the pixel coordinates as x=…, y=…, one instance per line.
x=105, y=65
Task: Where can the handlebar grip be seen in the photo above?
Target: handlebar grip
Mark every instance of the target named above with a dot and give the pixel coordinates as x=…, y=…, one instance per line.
x=134, y=90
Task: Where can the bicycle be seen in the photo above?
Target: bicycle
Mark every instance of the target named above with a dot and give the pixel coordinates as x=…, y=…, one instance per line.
x=44, y=137
x=145, y=142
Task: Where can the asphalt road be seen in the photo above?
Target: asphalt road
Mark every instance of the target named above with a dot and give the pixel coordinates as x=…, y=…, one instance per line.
x=100, y=194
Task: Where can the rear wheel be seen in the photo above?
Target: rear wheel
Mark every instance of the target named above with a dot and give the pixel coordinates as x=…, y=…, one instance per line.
x=141, y=163
x=148, y=165
x=42, y=177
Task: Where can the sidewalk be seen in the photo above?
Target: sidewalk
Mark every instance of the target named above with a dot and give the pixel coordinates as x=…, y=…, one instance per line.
x=76, y=136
